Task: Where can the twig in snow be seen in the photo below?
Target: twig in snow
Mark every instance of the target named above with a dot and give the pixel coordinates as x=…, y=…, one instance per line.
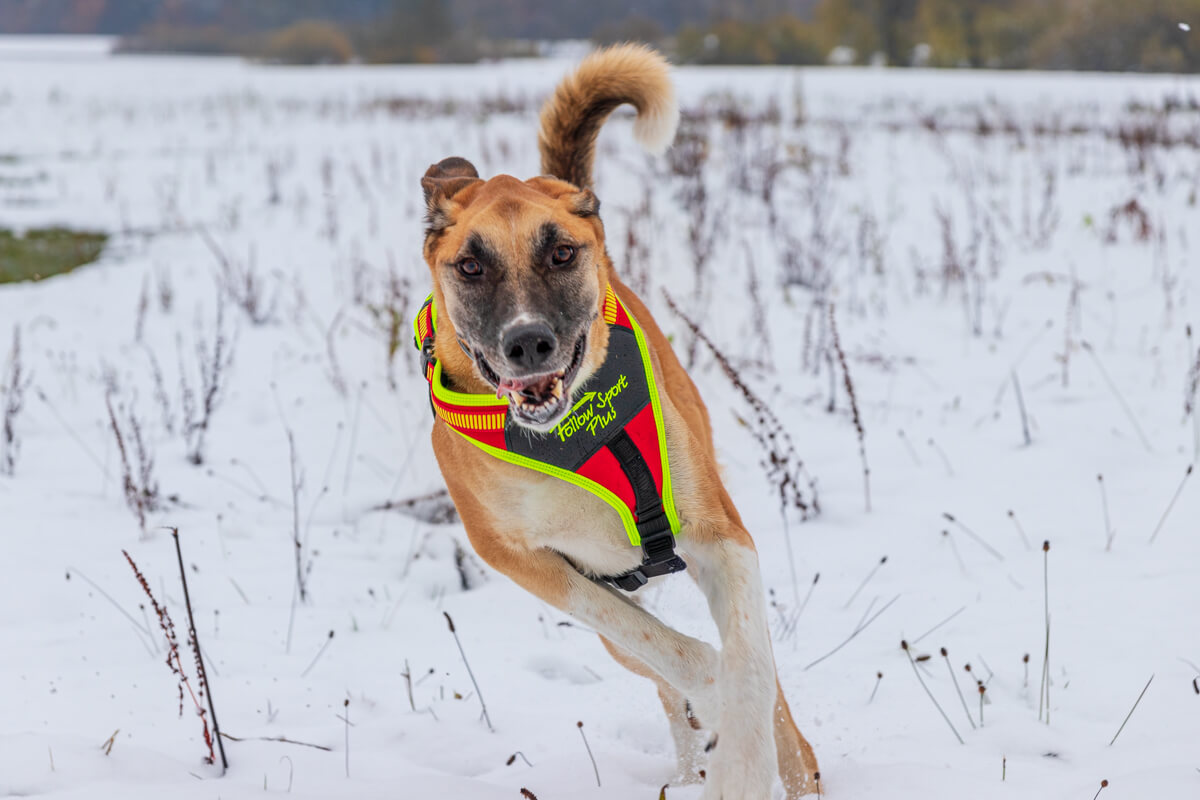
x=589, y=751
x=463, y=653
x=878, y=680
x=1044, y=696
x=954, y=678
x=917, y=672
x=317, y=657
x=866, y=580
x=854, y=415
x=942, y=454
x=1013, y=516
x=407, y=675
x=856, y=632
x=108, y=743
x=1021, y=406
x=1117, y=394
x=973, y=535
x=514, y=757
x=908, y=445
x=280, y=739
x=1187, y=474
x=173, y=660
x=1130, y=714
x=1109, y=533
x=940, y=624
x=194, y=640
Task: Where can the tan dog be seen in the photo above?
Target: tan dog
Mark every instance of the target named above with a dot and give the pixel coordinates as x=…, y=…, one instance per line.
x=520, y=279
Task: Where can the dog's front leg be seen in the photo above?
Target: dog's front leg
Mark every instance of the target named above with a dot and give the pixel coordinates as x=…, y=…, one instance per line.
x=688, y=664
x=743, y=765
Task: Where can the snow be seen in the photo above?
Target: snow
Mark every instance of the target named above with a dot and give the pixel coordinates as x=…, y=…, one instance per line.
x=157, y=150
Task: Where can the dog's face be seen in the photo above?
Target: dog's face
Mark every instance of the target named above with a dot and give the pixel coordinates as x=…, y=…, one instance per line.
x=520, y=270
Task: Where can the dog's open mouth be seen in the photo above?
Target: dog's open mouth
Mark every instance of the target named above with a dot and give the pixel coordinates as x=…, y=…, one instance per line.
x=536, y=399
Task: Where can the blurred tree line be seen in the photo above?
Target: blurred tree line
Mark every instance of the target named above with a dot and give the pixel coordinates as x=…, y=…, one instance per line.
x=1121, y=35
x=1144, y=35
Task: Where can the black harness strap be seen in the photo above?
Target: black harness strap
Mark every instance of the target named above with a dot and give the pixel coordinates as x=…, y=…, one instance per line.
x=654, y=529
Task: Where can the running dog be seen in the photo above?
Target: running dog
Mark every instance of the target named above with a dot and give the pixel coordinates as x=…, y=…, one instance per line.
x=575, y=446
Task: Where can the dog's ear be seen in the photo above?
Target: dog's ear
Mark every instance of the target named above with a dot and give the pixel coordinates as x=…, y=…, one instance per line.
x=581, y=202
x=441, y=182
x=585, y=203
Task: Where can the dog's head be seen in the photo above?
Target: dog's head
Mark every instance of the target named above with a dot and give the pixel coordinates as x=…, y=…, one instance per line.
x=519, y=269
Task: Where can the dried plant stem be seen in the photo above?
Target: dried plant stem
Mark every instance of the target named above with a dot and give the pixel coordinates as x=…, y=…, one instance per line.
x=589, y=751
x=279, y=739
x=317, y=657
x=866, y=580
x=961, y=697
x=856, y=632
x=1013, y=516
x=1044, y=692
x=932, y=699
x=463, y=653
x=940, y=624
x=942, y=455
x=407, y=675
x=1130, y=714
x=908, y=446
x=858, y=426
x=1187, y=474
x=1103, y=786
x=878, y=680
x=1117, y=394
x=979, y=539
x=1109, y=533
x=1021, y=406
x=204, y=683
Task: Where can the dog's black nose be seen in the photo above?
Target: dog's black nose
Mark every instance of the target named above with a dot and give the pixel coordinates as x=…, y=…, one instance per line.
x=528, y=346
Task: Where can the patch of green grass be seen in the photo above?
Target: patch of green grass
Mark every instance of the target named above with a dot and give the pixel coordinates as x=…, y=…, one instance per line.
x=42, y=252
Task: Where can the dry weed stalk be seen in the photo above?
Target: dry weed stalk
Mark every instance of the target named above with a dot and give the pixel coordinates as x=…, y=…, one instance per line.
x=201, y=400
x=858, y=426
x=175, y=661
x=138, y=484
x=14, y=387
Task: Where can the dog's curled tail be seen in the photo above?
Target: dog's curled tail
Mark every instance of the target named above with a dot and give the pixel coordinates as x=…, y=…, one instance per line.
x=571, y=118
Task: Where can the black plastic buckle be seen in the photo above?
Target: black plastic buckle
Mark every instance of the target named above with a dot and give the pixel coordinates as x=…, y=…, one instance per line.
x=427, y=355
x=658, y=555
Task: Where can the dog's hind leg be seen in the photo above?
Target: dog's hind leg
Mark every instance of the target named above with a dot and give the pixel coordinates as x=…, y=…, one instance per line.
x=689, y=741
x=797, y=762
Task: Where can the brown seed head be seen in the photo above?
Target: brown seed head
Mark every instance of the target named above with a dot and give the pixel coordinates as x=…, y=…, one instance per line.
x=904, y=645
x=944, y=654
x=1046, y=546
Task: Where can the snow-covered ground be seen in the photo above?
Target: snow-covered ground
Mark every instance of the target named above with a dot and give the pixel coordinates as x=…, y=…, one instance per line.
x=972, y=231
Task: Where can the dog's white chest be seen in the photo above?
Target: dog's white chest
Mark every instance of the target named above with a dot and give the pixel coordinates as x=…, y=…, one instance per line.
x=563, y=517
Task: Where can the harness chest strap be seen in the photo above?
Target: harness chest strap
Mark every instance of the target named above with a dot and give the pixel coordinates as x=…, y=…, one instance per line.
x=612, y=442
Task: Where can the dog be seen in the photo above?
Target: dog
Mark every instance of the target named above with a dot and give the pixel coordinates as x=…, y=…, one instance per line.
x=574, y=445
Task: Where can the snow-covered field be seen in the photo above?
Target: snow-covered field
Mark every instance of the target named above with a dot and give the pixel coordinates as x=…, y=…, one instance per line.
x=972, y=232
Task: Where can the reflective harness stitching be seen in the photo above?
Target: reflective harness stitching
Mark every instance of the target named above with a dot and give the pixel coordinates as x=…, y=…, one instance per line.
x=624, y=464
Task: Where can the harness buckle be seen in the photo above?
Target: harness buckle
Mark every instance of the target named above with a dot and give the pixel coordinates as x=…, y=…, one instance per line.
x=427, y=357
x=658, y=554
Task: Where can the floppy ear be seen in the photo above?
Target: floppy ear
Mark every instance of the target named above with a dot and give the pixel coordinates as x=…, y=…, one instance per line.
x=441, y=182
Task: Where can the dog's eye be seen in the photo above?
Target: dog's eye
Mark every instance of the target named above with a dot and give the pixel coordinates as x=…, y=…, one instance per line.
x=563, y=254
x=470, y=267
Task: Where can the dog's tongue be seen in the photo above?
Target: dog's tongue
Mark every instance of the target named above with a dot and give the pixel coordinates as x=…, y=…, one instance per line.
x=529, y=387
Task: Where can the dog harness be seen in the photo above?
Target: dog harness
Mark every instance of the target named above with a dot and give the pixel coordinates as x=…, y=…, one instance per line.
x=611, y=443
